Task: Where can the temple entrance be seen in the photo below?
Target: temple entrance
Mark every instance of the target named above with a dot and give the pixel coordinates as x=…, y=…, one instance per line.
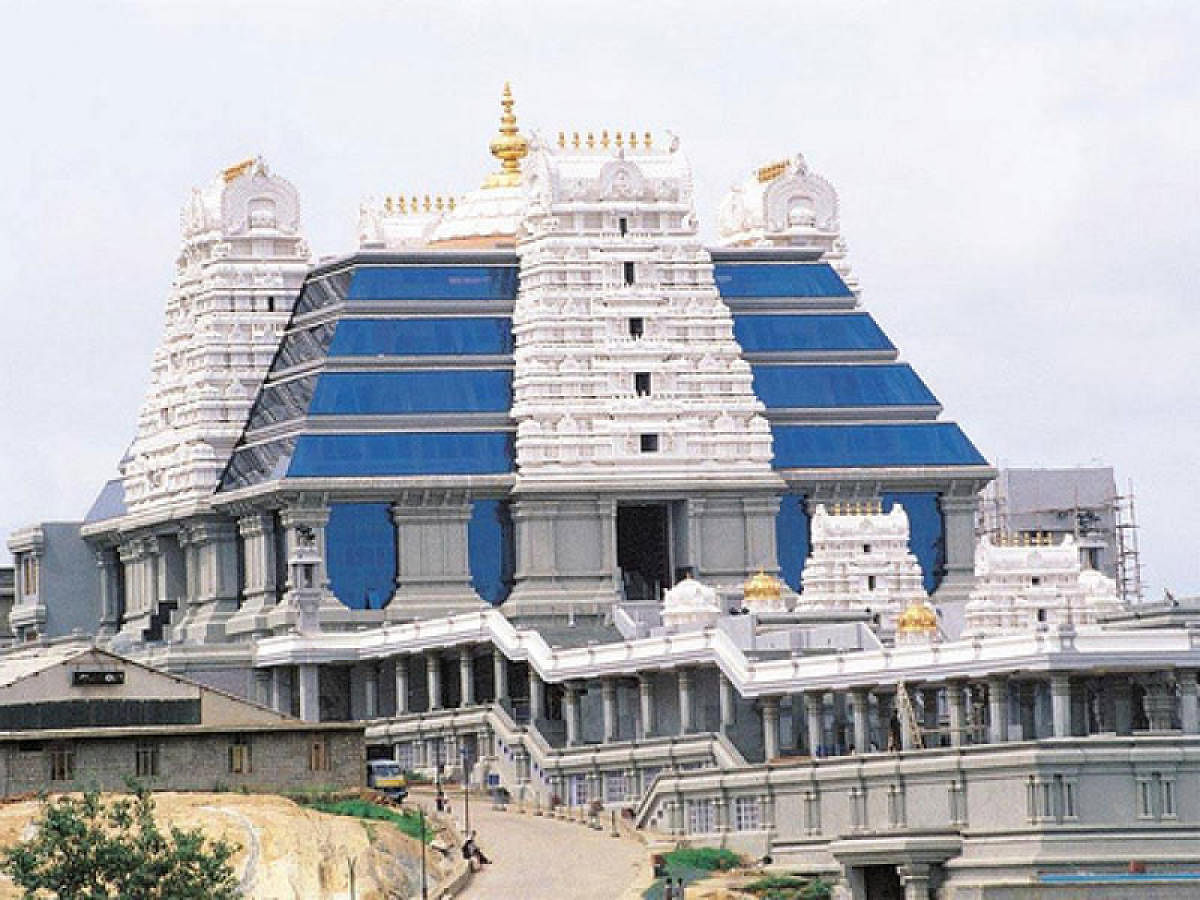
x=882, y=883
x=644, y=550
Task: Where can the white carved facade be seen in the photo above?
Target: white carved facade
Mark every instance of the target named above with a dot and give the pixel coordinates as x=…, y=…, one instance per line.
x=626, y=365
x=860, y=559
x=785, y=204
x=690, y=604
x=1021, y=584
x=240, y=267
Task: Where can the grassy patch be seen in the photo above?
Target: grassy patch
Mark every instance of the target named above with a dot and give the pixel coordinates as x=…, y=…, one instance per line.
x=408, y=822
x=692, y=864
x=789, y=887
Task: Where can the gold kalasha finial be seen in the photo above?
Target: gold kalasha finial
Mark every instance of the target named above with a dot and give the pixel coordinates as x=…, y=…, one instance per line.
x=562, y=140
x=604, y=138
x=591, y=140
x=633, y=140
x=646, y=140
x=402, y=206
x=428, y=204
x=237, y=170
x=620, y=140
x=452, y=201
x=509, y=146
x=387, y=205
x=416, y=204
x=441, y=203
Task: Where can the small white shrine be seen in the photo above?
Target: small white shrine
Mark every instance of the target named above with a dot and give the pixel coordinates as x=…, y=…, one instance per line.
x=690, y=604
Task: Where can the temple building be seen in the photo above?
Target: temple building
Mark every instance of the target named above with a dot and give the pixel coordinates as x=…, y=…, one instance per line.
x=547, y=490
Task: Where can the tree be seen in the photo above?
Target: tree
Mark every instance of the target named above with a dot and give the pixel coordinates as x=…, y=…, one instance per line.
x=86, y=849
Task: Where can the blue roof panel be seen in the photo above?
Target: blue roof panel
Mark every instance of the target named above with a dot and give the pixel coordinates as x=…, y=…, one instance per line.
x=747, y=280
x=441, y=336
x=824, y=331
x=804, y=386
x=402, y=453
x=400, y=393
x=109, y=504
x=433, y=283
x=850, y=446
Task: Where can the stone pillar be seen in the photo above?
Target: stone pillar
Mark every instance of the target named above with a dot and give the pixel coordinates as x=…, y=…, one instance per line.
x=1158, y=705
x=908, y=724
x=954, y=703
x=998, y=709
x=958, y=522
x=930, y=720
x=914, y=877
x=685, y=700
x=814, y=710
x=433, y=679
x=1027, y=704
x=259, y=588
x=402, y=703
x=500, y=677
x=371, y=691
x=727, y=703
x=1060, y=704
x=466, y=677
x=1189, y=708
x=770, y=722
x=216, y=555
x=608, y=690
x=431, y=545
x=571, y=713
x=262, y=687
x=1122, y=703
x=537, y=696
x=860, y=708
x=110, y=599
x=310, y=692
x=281, y=690
x=646, y=698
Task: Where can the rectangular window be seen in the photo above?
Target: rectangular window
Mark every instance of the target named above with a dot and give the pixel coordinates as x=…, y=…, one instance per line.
x=958, y=803
x=1068, y=799
x=1145, y=798
x=701, y=818
x=747, y=814
x=404, y=756
x=318, y=754
x=1167, y=795
x=29, y=575
x=641, y=384
x=239, y=755
x=858, y=809
x=146, y=760
x=62, y=762
x=649, y=443
x=637, y=327
x=577, y=792
x=627, y=271
x=623, y=226
x=614, y=787
x=895, y=800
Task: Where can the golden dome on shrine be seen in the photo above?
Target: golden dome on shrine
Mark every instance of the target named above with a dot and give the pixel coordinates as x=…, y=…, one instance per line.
x=762, y=587
x=917, y=618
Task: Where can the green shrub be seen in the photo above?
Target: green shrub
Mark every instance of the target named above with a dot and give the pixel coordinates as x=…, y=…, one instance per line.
x=408, y=822
x=707, y=858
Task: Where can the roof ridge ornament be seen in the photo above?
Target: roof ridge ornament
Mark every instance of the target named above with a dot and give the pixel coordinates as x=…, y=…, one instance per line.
x=509, y=146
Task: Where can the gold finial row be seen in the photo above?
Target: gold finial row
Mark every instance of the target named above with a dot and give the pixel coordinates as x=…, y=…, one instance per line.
x=400, y=205
x=858, y=508
x=619, y=140
x=771, y=171
x=1024, y=539
x=237, y=170
x=509, y=146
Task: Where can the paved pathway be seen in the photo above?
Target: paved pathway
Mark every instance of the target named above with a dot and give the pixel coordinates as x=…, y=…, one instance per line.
x=542, y=858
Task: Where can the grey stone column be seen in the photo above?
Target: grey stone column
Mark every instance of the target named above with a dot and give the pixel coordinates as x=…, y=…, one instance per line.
x=310, y=692
x=954, y=703
x=371, y=690
x=500, y=677
x=860, y=706
x=1060, y=704
x=998, y=709
x=571, y=713
x=1189, y=708
x=814, y=710
x=915, y=879
x=434, y=569
x=1158, y=705
x=727, y=703
x=1027, y=706
x=685, y=700
x=466, y=677
x=281, y=689
x=908, y=725
x=110, y=602
x=958, y=520
x=770, y=723
x=1122, y=694
x=260, y=591
x=608, y=690
x=537, y=696
x=433, y=679
x=402, y=703
x=930, y=719
x=646, y=703
x=262, y=687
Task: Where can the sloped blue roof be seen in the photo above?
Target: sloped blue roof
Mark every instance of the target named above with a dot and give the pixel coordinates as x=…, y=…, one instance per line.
x=109, y=503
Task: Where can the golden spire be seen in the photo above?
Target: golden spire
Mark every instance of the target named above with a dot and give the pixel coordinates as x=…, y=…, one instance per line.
x=509, y=146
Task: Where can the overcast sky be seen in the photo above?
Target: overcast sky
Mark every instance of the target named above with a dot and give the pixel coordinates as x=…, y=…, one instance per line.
x=1020, y=189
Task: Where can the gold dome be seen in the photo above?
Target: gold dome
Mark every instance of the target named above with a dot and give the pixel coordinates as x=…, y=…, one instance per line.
x=509, y=146
x=762, y=586
x=917, y=618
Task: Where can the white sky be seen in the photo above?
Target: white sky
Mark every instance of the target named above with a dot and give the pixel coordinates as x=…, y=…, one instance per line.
x=1020, y=188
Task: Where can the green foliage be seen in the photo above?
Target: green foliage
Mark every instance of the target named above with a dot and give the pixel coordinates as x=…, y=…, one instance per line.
x=407, y=821
x=707, y=858
x=86, y=849
x=789, y=887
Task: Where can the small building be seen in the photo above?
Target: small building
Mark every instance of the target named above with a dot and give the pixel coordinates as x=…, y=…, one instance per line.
x=73, y=716
x=56, y=582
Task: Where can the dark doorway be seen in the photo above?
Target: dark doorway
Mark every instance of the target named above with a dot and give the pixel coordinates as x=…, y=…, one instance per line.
x=643, y=551
x=882, y=883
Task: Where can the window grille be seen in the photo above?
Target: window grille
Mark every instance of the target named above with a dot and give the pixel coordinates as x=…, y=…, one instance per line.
x=146, y=760
x=239, y=755
x=747, y=814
